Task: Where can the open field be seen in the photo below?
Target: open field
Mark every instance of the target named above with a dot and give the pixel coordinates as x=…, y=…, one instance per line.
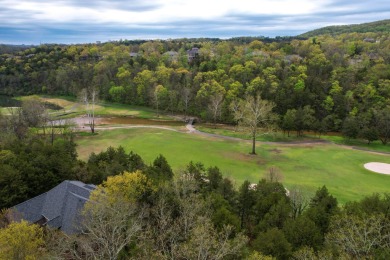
x=309, y=166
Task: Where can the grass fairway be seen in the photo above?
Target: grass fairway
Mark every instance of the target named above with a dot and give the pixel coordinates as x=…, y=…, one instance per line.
x=308, y=166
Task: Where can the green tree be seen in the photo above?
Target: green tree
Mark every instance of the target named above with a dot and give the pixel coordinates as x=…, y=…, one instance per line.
x=117, y=93
x=301, y=232
x=160, y=97
x=215, y=178
x=273, y=242
x=160, y=170
x=351, y=127
x=322, y=207
x=110, y=162
x=144, y=81
x=288, y=123
x=383, y=125
x=246, y=200
x=369, y=133
x=21, y=240
x=211, y=95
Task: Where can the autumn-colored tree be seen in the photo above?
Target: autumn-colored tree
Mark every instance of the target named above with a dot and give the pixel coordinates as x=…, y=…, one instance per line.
x=21, y=240
x=112, y=216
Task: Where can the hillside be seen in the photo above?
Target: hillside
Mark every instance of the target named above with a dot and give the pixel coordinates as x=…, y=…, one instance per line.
x=378, y=26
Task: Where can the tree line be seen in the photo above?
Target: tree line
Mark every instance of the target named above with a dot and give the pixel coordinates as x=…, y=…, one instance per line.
x=320, y=84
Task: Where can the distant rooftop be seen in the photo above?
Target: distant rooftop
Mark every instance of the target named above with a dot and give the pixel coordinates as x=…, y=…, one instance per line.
x=59, y=207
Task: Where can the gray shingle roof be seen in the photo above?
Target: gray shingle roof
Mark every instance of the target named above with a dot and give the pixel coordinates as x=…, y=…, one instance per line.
x=60, y=206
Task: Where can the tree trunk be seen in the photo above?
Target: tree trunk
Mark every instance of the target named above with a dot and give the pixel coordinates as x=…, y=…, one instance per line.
x=253, y=142
x=52, y=135
x=93, y=126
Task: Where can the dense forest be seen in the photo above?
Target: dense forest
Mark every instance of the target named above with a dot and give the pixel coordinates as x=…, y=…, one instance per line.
x=327, y=83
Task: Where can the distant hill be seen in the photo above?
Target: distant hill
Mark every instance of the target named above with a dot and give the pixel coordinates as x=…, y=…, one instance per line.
x=379, y=26
x=11, y=49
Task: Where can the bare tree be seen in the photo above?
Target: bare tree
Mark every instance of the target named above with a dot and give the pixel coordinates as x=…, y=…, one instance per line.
x=237, y=112
x=108, y=226
x=207, y=243
x=33, y=111
x=215, y=106
x=186, y=96
x=254, y=112
x=274, y=175
x=299, y=200
x=89, y=98
x=14, y=122
x=185, y=230
x=360, y=236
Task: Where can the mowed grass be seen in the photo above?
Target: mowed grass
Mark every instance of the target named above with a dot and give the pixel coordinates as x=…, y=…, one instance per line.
x=307, y=166
x=279, y=136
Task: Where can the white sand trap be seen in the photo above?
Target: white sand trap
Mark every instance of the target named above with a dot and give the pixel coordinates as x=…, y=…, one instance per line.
x=383, y=168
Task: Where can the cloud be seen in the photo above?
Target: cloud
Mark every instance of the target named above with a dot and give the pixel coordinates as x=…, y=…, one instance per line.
x=87, y=21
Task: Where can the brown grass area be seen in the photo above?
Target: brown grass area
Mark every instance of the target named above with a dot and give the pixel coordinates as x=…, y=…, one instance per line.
x=244, y=157
x=61, y=102
x=275, y=151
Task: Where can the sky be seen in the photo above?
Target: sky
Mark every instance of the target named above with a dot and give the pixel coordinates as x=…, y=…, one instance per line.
x=87, y=21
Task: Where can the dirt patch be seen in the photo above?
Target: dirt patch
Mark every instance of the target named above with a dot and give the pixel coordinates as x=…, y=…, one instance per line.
x=275, y=150
x=244, y=157
x=59, y=102
x=139, y=121
x=382, y=168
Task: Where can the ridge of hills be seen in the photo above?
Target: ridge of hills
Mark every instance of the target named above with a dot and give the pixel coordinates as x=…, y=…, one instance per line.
x=374, y=27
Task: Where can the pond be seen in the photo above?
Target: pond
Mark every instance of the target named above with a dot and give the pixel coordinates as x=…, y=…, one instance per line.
x=137, y=121
x=7, y=101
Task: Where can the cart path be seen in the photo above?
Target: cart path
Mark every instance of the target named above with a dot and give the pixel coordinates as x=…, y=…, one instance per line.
x=190, y=129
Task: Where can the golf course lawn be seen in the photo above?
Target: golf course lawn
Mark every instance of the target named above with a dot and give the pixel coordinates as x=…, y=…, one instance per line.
x=306, y=166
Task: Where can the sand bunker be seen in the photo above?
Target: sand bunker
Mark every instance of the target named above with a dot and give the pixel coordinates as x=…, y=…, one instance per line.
x=383, y=168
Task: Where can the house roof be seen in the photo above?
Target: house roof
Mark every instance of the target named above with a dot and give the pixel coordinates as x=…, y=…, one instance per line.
x=59, y=207
x=171, y=53
x=193, y=52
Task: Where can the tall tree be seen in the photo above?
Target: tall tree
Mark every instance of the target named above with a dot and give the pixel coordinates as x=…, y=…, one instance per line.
x=160, y=96
x=254, y=112
x=89, y=98
x=383, y=124
x=215, y=106
x=112, y=216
